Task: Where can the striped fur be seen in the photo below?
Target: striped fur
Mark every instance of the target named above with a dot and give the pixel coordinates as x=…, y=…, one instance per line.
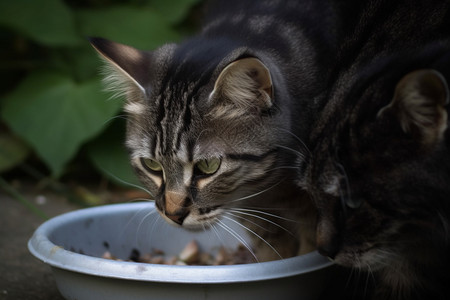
x=379, y=166
x=233, y=92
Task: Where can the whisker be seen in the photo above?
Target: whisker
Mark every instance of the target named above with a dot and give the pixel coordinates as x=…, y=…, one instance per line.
x=298, y=139
x=264, y=213
x=366, y=286
x=246, y=219
x=345, y=202
x=282, y=168
x=127, y=183
x=153, y=226
x=293, y=150
x=350, y=276
x=142, y=222
x=142, y=199
x=358, y=278
x=130, y=221
x=238, y=237
x=212, y=225
x=123, y=117
x=257, y=235
x=213, y=228
x=261, y=218
x=266, y=209
x=130, y=120
x=256, y=194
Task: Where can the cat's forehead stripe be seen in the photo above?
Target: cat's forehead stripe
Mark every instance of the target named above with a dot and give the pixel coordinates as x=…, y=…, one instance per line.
x=175, y=117
x=183, y=153
x=251, y=157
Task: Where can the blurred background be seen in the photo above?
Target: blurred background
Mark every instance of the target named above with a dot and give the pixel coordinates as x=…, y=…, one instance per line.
x=61, y=135
x=59, y=130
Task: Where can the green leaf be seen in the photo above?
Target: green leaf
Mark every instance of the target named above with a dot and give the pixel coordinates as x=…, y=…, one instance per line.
x=143, y=28
x=81, y=62
x=12, y=151
x=108, y=154
x=55, y=115
x=49, y=22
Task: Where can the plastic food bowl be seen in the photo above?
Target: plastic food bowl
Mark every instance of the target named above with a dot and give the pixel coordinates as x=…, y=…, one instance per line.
x=73, y=243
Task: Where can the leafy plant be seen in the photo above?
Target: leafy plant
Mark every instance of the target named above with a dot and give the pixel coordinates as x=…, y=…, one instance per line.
x=52, y=104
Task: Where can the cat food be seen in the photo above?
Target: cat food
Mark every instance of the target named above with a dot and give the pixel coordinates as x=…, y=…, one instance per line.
x=191, y=255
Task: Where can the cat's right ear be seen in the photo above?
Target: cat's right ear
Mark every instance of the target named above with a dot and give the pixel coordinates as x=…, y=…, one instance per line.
x=419, y=105
x=247, y=84
x=126, y=67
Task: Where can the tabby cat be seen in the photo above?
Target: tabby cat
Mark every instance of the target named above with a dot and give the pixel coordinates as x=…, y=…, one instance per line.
x=213, y=121
x=378, y=169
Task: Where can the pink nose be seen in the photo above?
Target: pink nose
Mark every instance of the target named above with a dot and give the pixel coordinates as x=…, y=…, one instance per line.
x=179, y=216
x=176, y=206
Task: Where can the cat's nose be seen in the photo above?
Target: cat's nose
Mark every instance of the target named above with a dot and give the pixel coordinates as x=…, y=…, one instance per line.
x=327, y=239
x=176, y=207
x=179, y=216
x=329, y=251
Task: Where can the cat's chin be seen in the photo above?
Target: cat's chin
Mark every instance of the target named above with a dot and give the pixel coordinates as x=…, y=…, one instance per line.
x=197, y=225
x=191, y=224
x=366, y=260
x=194, y=228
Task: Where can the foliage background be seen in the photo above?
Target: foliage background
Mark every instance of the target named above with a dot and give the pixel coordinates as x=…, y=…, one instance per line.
x=55, y=120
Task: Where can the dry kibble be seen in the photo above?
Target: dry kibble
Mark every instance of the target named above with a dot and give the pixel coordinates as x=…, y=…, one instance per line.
x=108, y=255
x=221, y=257
x=158, y=260
x=206, y=259
x=157, y=251
x=191, y=255
x=146, y=258
x=172, y=260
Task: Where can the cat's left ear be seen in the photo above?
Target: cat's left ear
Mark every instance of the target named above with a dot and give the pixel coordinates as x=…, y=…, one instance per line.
x=127, y=66
x=246, y=83
x=419, y=105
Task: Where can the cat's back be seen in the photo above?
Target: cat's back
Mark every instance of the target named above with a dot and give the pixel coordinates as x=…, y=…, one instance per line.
x=266, y=17
x=376, y=28
x=286, y=27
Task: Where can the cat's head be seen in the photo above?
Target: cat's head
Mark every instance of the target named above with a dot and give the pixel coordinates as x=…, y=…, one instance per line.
x=379, y=171
x=203, y=125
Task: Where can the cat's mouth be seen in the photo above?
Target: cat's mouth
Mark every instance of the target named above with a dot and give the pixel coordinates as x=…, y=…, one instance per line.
x=195, y=219
x=367, y=257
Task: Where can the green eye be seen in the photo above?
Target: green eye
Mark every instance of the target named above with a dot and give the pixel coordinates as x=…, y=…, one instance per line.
x=151, y=164
x=208, y=166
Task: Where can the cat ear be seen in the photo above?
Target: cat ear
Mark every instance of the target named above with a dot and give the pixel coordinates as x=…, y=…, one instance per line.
x=127, y=67
x=419, y=105
x=246, y=83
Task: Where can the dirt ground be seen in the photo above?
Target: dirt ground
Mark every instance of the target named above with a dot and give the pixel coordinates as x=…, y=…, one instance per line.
x=22, y=276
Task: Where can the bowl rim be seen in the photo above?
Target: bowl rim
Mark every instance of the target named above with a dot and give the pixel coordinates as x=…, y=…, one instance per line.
x=42, y=248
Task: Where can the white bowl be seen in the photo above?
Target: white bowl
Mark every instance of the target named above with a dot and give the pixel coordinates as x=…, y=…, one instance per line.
x=73, y=243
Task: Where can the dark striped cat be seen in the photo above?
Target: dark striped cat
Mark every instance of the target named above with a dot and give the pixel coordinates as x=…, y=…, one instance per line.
x=379, y=162
x=212, y=122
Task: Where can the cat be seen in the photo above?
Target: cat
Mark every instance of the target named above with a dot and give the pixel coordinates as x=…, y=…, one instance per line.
x=213, y=121
x=378, y=165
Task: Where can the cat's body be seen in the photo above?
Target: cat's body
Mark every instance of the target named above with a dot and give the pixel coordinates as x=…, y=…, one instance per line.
x=213, y=122
x=379, y=163
x=383, y=193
